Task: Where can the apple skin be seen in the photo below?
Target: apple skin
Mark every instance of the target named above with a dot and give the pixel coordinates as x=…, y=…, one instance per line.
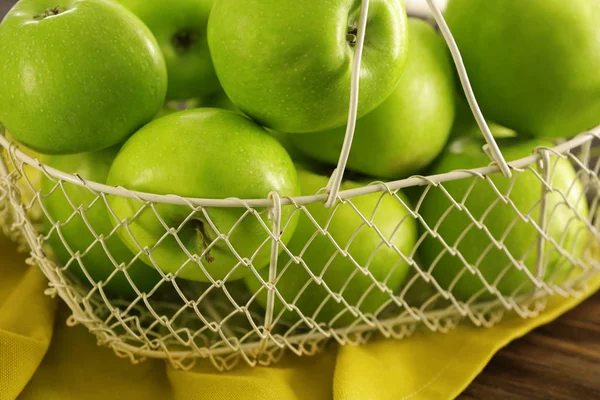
x=203, y=153
x=94, y=167
x=180, y=30
x=410, y=128
x=386, y=265
x=534, y=65
x=220, y=100
x=168, y=109
x=521, y=241
x=79, y=81
x=217, y=100
x=287, y=64
x=465, y=124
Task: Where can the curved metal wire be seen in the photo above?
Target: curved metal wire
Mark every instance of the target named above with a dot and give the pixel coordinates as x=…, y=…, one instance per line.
x=144, y=328
x=491, y=148
x=227, y=345
x=494, y=150
x=375, y=187
x=335, y=181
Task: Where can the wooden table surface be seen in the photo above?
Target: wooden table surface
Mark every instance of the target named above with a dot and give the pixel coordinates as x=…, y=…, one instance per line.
x=557, y=361
x=560, y=360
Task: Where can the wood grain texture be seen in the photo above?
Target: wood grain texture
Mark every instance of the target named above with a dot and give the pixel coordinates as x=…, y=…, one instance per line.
x=557, y=361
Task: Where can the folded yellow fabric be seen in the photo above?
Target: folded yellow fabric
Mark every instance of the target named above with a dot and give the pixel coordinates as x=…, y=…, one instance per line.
x=426, y=366
x=26, y=319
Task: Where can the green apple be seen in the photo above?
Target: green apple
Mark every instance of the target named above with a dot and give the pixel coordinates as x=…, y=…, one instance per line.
x=287, y=63
x=465, y=124
x=219, y=100
x=203, y=153
x=171, y=107
x=409, y=129
x=69, y=231
x=77, y=75
x=365, y=246
x=534, y=65
x=288, y=144
x=564, y=221
x=180, y=29
x=168, y=109
x=27, y=180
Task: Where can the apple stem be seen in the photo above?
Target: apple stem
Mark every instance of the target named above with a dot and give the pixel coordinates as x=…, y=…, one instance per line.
x=351, y=36
x=49, y=12
x=201, y=235
x=184, y=40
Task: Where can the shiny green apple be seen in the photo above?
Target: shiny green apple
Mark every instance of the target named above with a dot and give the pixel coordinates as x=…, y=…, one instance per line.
x=216, y=100
x=409, y=129
x=219, y=100
x=340, y=274
x=77, y=75
x=180, y=30
x=565, y=222
x=203, y=153
x=534, y=65
x=171, y=107
x=465, y=124
x=287, y=63
x=70, y=232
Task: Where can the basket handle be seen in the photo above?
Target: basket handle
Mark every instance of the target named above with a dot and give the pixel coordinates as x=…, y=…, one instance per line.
x=491, y=148
x=333, y=187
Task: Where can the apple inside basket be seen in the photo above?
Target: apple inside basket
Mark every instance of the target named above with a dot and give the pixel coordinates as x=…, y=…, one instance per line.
x=211, y=180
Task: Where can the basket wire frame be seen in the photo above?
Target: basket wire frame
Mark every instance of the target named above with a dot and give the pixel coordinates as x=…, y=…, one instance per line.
x=221, y=320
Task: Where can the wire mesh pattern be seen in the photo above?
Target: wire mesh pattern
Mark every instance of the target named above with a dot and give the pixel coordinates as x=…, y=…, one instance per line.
x=222, y=319
x=273, y=296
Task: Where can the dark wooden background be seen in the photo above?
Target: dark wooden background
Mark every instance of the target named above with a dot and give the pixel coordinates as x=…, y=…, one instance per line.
x=557, y=361
x=5, y=6
x=560, y=360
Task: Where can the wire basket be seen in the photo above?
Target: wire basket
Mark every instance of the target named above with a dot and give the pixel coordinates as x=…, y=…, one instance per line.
x=222, y=320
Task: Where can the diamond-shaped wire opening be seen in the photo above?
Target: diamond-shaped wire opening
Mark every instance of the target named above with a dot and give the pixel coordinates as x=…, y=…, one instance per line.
x=345, y=264
x=221, y=319
x=490, y=222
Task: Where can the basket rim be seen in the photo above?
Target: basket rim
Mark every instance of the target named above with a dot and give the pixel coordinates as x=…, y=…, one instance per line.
x=373, y=187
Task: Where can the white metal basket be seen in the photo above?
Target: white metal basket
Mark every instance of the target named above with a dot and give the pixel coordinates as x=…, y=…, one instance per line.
x=182, y=321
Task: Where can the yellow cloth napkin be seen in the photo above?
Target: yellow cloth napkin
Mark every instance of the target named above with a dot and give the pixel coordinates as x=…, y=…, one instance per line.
x=43, y=359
